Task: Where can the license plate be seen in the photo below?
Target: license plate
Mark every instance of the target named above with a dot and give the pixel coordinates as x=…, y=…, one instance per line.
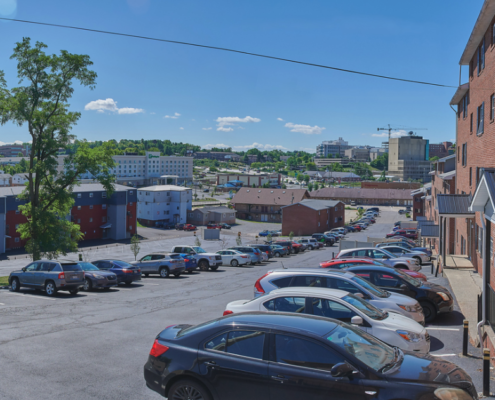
x=75, y=277
x=136, y=272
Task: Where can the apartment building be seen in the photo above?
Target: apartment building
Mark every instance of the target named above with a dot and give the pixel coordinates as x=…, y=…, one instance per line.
x=440, y=150
x=358, y=154
x=408, y=158
x=99, y=216
x=250, y=179
x=332, y=148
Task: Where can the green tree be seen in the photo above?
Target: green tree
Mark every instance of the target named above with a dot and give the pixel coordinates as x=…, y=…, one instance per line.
x=42, y=104
x=310, y=187
x=316, y=186
x=135, y=248
x=382, y=178
x=291, y=236
x=434, y=159
x=306, y=179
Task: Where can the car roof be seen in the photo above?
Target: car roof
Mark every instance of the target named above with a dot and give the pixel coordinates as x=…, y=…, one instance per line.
x=162, y=252
x=361, y=248
x=287, y=321
x=354, y=260
x=315, y=271
x=372, y=268
x=311, y=291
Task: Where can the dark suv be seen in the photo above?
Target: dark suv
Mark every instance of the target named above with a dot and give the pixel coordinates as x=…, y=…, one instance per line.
x=265, y=248
x=287, y=245
x=50, y=276
x=327, y=240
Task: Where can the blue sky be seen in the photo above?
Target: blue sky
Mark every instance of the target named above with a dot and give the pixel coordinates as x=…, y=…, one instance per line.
x=155, y=90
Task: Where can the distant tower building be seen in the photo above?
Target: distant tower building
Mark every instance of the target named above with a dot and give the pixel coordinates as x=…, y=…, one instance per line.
x=408, y=158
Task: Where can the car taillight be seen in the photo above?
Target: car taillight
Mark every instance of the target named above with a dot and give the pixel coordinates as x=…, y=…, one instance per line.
x=186, y=259
x=257, y=285
x=244, y=256
x=127, y=271
x=267, y=252
x=61, y=276
x=158, y=349
x=227, y=312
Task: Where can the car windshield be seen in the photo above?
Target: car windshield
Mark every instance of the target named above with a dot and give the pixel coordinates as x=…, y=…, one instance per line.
x=409, y=279
x=379, y=263
x=372, y=288
x=71, y=267
x=86, y=266
x=198, y=250
x=388, y=253
x=122, y=264
x=365, y=307
x=366, y=348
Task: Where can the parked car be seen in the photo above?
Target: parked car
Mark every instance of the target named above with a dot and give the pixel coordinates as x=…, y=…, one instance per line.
x=350, y=228
x=50, y=276
x=434, y=299
x=279, y=251
x=94, y=278
x=252, y=252
x=401, y=212
x=272, y=356
x=343, y=280
x=408, y=246
x=234, y=257
x=126, y=273
x=264, y=233
x=213, y=226
x=224, y=225
x=377, y=209
x=310, y=244
x=264, y=248
x=189, y=227
x=206, y=190
x=161, y=263
x=204, y=259
x=408, y=233
x=399, y=251
x=325, y=239
x=298, y=247
x=190, y=263
x=179, y=227
x=344, y=263
x=394, y=329
x=384, y=256
x=288, y=245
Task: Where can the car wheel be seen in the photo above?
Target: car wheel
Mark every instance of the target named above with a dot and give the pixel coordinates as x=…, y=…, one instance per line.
x=164, y=272
x=128, y=283
x=146, y=275
x=234, y=263
x=277, y=255
x=419, y=260
x=311, y=247
x=190, y=271
x=51, y=288
x=177, y=274
x=74, y=291
x=15, y=286
x=253, y=263
x=88, y=285
x=292, y=251
x=203, y=265
x=214, y=267
x=187, y=389
x=429, y=311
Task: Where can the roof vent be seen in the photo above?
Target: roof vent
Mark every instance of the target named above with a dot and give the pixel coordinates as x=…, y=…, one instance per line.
x=282, y=192
x=271, y=191
x=247, y=191
x=259, y=191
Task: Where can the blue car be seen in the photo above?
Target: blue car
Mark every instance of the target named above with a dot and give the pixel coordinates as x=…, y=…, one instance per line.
x=264, y=233
x=126, y=273
x=191, y=263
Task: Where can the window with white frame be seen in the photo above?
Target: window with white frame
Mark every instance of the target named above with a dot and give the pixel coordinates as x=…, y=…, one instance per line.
x=103, y=206
x=91, y=207
x=91, y=220
x=480, y=127
x=79, y=195
x=17, y=211
x=17, y=240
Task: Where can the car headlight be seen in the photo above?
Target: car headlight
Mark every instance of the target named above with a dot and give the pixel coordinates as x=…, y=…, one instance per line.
x=406, y=308
x=409, y=336
x=444, y=296
x=452, y=394
x=409, y=261
x=211, y=258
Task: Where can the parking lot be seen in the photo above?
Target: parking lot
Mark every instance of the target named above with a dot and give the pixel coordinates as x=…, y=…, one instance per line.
x=94, y=345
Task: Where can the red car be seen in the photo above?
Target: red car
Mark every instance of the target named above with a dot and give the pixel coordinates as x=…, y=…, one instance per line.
x=189, y=227
x=342, y=263
x=297, y=247
x=357, y=227
x=213, y=226
x=408, y=233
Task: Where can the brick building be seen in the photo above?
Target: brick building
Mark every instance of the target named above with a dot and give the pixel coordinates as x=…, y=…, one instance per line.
x=206, y=215
x=265, y=204
x=99, y=216
x=312, y=216
x=377, y=197
x=389, y=185
x=13, y=150
x=440, y=150
x=250, y=179
x=217, y=155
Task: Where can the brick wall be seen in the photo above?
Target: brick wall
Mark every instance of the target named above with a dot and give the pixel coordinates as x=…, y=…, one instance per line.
x=304, y=221
x=418, y=206
x=90, y=220
x=390, y=185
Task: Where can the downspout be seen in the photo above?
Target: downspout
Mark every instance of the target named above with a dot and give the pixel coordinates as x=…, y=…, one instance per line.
x=483, y=292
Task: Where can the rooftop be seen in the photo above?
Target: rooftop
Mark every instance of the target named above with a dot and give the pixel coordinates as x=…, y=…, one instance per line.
x=316, y=204
x=164, y=188
x=358, y=193
x=269, y=196
x=454, y=205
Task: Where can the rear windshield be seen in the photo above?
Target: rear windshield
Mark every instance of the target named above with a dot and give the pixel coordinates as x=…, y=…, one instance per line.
x=176, y=257
x=122, y=264
x=71, y=267
x=87, y=266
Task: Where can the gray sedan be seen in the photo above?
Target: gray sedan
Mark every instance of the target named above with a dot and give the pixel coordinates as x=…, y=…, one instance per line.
x=95, y=278
x=401, y=252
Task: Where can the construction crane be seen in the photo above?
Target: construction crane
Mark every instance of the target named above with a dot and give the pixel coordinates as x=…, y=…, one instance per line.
x=389, y=129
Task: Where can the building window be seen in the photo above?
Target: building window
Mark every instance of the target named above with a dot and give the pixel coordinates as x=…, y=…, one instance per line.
x=17, y=211
x=103, y=206
x=103, y=219
x=78, y=207
x=492, y=106
x=91, y=220
x=480, y=124
x=17, y=240
x=17, y=200
x=91, y=195
x=79, y=195
x=470, y=176
x=91, y=207
x=130, y=203
x=336, y=219
x=471, y=124
x=104, y=195
x=464, y=154
x=78, y=221
x=130, y=227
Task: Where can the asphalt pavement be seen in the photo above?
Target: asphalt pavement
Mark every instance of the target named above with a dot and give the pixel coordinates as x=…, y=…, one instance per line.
x=94, y=345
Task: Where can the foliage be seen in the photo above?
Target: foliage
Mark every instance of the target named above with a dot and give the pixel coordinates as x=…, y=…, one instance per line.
x=238, y=241
x=43, y=106
x=310, y=187
x=316, y=186
x=311, y=166
x=380, y=162
x=306, y=179
x=434, y=159
x=269, y=237
x=197, y=242
x=291, y=236
x=135, y=248
x=382, y=178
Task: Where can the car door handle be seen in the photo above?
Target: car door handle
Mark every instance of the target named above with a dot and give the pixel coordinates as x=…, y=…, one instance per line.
x=211, y=363
x=280, y=378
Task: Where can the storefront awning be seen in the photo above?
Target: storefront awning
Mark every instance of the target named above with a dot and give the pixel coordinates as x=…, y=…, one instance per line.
x=106, y=226
x=454, y=205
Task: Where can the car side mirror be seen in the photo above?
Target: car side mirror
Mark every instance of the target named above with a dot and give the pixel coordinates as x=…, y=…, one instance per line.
x=356, y=320
x=341, y=370
x=403, y=286
x=24, y=269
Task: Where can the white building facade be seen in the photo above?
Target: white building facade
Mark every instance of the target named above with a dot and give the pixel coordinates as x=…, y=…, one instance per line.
x=163, y=204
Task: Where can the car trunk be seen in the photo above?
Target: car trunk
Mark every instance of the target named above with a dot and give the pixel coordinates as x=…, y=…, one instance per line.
x=73, y=273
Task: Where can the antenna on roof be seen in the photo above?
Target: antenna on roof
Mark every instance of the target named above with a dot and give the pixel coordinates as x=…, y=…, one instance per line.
x=283, y=266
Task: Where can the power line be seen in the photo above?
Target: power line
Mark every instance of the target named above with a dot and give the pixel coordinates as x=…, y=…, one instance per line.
x=230, y=50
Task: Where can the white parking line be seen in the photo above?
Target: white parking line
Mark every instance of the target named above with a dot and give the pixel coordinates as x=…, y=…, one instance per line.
x=442, y=329
x=2, y=304
x=151, y=284
x=89, y=294
x=443, y=355
x=27, y=296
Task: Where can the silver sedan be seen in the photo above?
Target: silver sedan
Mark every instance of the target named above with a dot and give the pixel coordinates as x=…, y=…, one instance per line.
x=401, y=252
x=234, y=257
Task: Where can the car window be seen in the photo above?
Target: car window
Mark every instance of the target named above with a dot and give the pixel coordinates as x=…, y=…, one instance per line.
x=217, y=343
x=246, y=343
x=146, y=258
x=179, y=250
x=307, y=281
x=365, y=307
x=104, y=265
x=46, y=267
x=343, y=285
x=71, y=267
x=282, y=282
x=122, y=264
x=387, y=280
x=174, y=257
x=157, y=257
x=32, y=267
x=304, y=353
x=332, y=309
x=286, y=304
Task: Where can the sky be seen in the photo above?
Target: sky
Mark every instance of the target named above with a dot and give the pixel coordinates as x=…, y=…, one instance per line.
x=153, y=90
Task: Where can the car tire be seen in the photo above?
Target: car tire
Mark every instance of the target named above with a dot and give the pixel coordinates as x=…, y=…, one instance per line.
x=203, y=265
x=51, y=289
x=164, y=272
x=190, y=271
x=234, y=263
x=15, y=286
x=214, y=267
x=292, y=251
x=74, y=291
x=419, y=260
x=429, y=311
x=177, y=274
x=311, y=248
x=146, y=275
x=277, y=255
x=88, y=285
x=188, y=389
x=253, y=263
x=128, y=283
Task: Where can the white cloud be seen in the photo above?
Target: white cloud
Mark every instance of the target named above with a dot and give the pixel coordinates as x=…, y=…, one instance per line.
x=14, y=142
x=307, y=149
x=175, y=116
x=393, y=135
x=224, y=122
x=207, y=129
x=110, y=105
x=306, y=129
x=209, y=146
x=280, y=119
x=181, y=128
x=261, y=147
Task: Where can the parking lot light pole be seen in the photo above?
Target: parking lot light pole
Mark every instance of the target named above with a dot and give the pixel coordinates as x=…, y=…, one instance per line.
x=465, y=336
x=486, y=372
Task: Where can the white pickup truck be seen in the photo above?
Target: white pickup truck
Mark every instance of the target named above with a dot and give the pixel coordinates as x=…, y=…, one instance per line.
x=205, y=260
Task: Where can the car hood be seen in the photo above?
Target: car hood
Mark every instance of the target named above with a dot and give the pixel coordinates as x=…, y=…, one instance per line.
x=429, y=369
x=101, y=273
x=401, y=299
x=398, y=321
x=434, y=287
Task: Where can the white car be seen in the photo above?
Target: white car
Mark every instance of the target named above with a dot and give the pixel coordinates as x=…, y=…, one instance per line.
x=339, y=234
x=382, y=255
x=311, y=244
x=234, y=257
x=394, y=329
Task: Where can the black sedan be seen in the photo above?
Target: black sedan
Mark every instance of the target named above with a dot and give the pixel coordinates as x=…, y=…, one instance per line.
x=126, y=273
x=94, y=278
x=285, y=356
x=433, y=298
